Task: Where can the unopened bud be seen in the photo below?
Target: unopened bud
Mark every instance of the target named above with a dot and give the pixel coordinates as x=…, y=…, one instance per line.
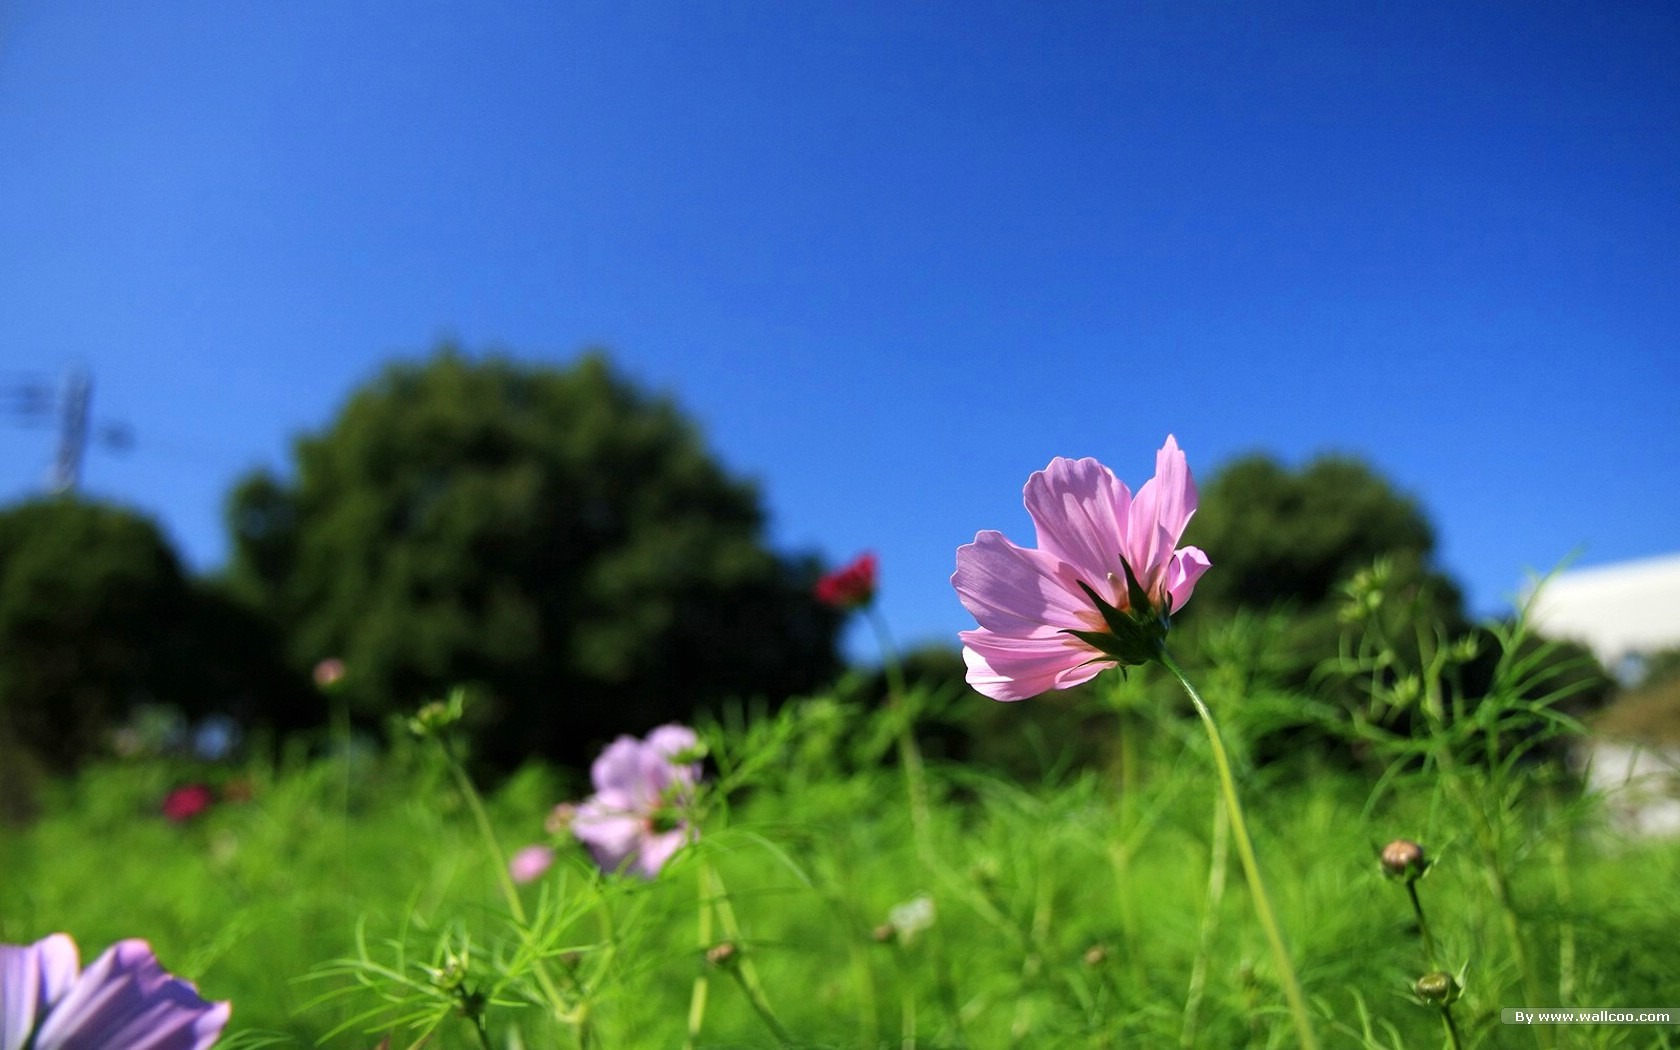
x=884, y=933
x=1403, y=859
x=439, y=715
x=1096, y=955
x=559, y=819
x=721, y=954
x=1437, y=989
x=329, y=672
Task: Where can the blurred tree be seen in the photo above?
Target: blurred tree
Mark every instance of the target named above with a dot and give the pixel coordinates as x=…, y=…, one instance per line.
x=95, y=616
x=555, y=537
x=1285, y=537
x=1290, y=544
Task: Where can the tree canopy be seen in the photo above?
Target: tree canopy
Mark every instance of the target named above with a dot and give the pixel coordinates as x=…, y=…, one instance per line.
x=556, y=537
x=1278, y=536
x=95, y=616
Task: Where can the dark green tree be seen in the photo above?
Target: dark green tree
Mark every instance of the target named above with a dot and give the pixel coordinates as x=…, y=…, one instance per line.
x=557, y=538
x=95, y=616
x=1282, y=537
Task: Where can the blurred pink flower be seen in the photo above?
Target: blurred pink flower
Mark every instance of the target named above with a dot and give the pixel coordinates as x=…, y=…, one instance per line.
x=186, y=802
x=124, y=1001
x=638, y=816
x=529, y=864
x=329, y=672
x=851, y=586
x=1098, y=590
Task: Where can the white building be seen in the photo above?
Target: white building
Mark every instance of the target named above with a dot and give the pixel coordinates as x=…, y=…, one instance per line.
x=1622, y=612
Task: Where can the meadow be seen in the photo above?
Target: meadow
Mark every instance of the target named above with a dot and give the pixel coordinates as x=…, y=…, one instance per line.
x=842, y=889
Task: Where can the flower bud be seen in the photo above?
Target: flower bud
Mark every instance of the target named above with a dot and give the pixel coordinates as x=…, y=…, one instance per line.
x=329, y=673
x=1096, y=955
x=1403, y=859
x=1437, y=989
x=722, y=954
x=439, y=715
x=559, y=819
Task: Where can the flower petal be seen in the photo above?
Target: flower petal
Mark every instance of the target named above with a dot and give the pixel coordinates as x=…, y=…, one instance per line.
x=1021, y=592
x=610, y=827
x=1017, y=668
x=657, y=849
x=1186, y=568
x=32, y=977
x=1080, y=509
x=1159, y=513
x=619, y=766
x=125, y=1000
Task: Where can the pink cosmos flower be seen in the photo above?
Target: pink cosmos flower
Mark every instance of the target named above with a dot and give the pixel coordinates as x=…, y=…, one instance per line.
x=1098, y=590
x=124, y=1001
x=529, y=864
x=637, y=817
x=851, y=586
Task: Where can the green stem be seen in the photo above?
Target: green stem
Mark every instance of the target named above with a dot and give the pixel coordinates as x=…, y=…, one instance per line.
x=697, y=998
x=1423, y=926
x=504, y=877
x=1452, y=1028
x=1218, y=863
x=741, y=967
x=1251, y=865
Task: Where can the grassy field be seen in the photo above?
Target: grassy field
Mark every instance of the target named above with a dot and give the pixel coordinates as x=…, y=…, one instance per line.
x=339, y=900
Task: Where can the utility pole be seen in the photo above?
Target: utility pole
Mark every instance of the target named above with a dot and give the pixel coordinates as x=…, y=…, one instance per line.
x=32, y=403
x=72, y=430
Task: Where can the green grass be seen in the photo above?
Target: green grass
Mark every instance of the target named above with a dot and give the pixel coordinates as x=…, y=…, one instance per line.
x=1070, y=912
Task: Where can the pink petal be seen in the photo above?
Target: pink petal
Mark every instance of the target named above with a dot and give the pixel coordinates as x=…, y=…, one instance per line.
x=657, y=849
x=1186, y=568
x=1080, y=509
x=1016, y=668
x=609, y=827
x=1159, y=513
x=1017, y=591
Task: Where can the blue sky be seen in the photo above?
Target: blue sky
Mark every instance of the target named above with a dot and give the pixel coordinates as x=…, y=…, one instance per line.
x=892, y=257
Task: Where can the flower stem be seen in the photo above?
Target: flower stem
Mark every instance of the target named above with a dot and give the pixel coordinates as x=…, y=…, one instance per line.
x=697, y=998
x=1452, y=1028
x=498, y=858
x=1217, y=865
x=1423, y=926
x=909, y=752
x=1251, y=865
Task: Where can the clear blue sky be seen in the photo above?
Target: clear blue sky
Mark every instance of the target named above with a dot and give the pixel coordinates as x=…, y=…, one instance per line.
x=892, y=257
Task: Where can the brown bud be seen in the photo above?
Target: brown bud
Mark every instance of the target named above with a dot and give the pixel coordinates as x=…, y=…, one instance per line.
x=1096, y=955
x=1403, y=859
x=884, y=933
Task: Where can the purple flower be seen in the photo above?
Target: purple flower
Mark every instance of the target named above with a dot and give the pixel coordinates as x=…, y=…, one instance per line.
x=1098, y=590
x=124, y=1001
x=638, y=816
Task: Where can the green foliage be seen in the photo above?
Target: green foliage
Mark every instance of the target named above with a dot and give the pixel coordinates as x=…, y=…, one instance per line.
x=95, y=616
x=339, y=903
x=558, y=539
